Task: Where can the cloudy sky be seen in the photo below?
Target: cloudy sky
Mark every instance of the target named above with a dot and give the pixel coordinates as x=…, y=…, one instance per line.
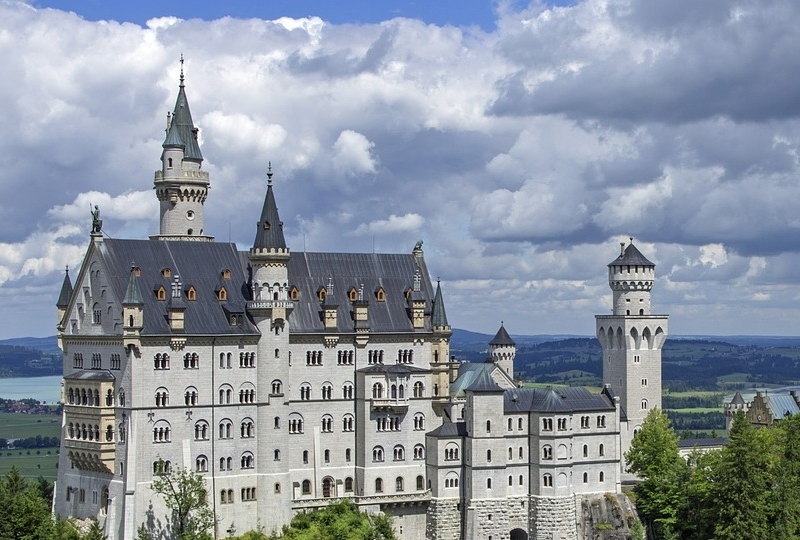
x=520, y=142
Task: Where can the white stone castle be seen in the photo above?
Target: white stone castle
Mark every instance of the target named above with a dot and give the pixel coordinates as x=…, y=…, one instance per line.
x=289, y=380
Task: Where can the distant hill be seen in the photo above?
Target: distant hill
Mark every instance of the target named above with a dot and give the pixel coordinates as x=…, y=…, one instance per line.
x=48, y=345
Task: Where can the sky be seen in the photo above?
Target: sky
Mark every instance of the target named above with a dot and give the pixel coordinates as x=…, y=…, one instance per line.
x=522, y=142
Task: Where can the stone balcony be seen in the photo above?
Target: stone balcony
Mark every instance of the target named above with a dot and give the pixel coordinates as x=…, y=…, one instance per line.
x=270, y=304
x=396, y=405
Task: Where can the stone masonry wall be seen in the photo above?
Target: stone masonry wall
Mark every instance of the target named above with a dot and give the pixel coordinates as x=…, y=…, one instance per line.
x=495, y=518
x=553, y=518
x=444, y=519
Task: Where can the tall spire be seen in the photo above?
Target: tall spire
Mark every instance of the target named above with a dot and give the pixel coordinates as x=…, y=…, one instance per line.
x=439, y=316
x=182, y=131
x=269, y=233
x=66, y=291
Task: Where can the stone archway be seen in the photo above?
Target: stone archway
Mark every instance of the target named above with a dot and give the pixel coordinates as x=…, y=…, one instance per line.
x=518, y=534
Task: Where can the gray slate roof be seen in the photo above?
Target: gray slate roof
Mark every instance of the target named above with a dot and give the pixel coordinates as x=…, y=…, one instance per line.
x=439, y=316
x=631, y=256
x=781, y=405
x=502, y=338
x=737, y=399
x=133, y=295
x=269, y=233
x=555, y=400
x=90, y=375
x=197, y=263
x=712, y=442
x=392, y=272
x=182, y=131
x=66, y=292
x=449, y=430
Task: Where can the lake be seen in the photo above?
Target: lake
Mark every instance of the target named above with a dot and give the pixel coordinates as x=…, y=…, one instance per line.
x=45, y=389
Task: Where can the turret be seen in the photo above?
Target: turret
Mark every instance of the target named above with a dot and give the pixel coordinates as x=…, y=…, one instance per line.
x=132, y=312
x=181, y=187
x=443, y=371
x=63, y=299
x=632, y=338
x=503, y=350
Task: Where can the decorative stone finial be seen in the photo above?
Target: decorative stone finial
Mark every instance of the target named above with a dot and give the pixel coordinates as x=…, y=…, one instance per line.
x=181, y=69
x=269, y=173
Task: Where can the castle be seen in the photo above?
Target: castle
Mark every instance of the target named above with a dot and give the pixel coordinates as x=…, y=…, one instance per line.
x=289, y=379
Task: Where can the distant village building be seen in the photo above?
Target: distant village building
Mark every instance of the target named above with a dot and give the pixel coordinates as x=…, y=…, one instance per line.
x=288, y=380
x=765, y=408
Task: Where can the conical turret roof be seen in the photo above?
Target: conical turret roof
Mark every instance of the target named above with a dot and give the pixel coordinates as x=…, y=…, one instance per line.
x=269, y=233
x=632, y=256
x=439, y=316
x=66, y=292
x=182, y=132
x=133, y=296
x=502, y=338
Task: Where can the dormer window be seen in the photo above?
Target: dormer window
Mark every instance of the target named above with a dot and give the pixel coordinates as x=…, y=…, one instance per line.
x=408, y=293
x=137, y=271
x=380, y=295
x=226, y=274
x=352, y=294
x=166, y=272
x=222, y=294
x=161, y=293
x=266, y=225
x=322, y=293
x=191, y=294
x=294, y=294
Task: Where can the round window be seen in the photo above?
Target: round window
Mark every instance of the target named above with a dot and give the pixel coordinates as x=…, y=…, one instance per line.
x=190, y=214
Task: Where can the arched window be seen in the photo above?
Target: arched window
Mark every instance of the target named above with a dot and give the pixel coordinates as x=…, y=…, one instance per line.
x=348, y=484
x=327, y=424
x=488, y=426
x=547, y=452
x=420, y=483
x=306, y=487
x=419, y=390
x=602, y=476
x=585, y=478
x=248, y=461
x=247, y=428
x=419, y=422
x=379, y=485
x=276, y=455
x=162, y=397
x=327, y=487
x=377, y=454
x=547, y=480
x=419, y=452
x=398, y=483
x=377, y=391
x=601, y=450
x=488, y=455
x=585, y=450
x=201, y=464
x=488, y=483
x=399, y=453
x=225, y=429
x=347, y=422
x=277, y=387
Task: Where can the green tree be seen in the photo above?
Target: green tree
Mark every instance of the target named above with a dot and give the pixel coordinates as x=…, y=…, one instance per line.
x=654, y=457
x=95, y=532
x=698, y=515
x=185, y=496
x=743, y=483
x=338, y=521
x=24, y=513
x=786, y=492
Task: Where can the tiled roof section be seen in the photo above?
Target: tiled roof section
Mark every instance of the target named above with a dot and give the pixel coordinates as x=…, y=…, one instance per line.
x=502, y=338
x=90, y=375
x=467, y=373
x=546, y=400
x=711, y=442
x=392, y=272
x=449, y=430
x=397, y=369
x=781, y=405
x=133, y=296
x=198, y=263
x=439, y=316
x=185, y=134
x=737, y=399
x=66, y=292
x=484, y=383
x=270, y=226
x=632, y=256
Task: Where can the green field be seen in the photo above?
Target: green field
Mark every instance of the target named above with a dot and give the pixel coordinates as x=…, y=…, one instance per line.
x=29, y=463
x=21, y=426
x=697, y=410
x=33, y=465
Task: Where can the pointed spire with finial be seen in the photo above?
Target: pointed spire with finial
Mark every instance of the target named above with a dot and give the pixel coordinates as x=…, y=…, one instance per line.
x=502, y=338
x=182, y=132
x=66, y=291
x=269, y=234
x=439, y=316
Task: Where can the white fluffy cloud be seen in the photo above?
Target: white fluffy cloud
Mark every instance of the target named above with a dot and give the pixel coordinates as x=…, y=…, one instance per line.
x=521, y=156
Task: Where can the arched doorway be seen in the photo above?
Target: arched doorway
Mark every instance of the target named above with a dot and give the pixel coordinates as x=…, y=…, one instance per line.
x=518, y=534
x=328, y=487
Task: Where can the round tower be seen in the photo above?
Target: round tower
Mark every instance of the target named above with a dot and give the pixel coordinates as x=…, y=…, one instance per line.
x=181, y=186
x=503, y=350
x=632, y=338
